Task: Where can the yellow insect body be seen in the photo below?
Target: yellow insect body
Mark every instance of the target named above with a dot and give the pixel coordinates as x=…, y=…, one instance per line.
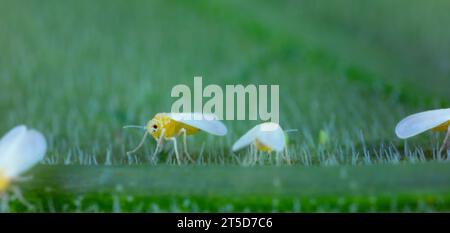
x=442, y=128
x=168, y=126
x=4, y=182
x=261, y=147
x=161, y=122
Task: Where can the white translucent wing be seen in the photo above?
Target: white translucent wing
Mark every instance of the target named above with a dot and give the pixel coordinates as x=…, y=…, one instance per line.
x=11, y=139
x=26, y=151
x=272, y=135
x=247, y=139
x=421, y=122
x=205, y=122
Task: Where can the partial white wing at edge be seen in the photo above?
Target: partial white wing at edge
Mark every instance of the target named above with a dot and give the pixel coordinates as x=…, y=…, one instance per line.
x=11, y=139
x=421, y=122
x=22, y=151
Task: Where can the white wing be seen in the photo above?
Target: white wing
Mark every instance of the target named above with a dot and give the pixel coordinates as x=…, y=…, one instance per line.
x=206, y=122
x=247, y=139
x=272, y=135
x=21, y=150
x=421, y=122
x=11, y=139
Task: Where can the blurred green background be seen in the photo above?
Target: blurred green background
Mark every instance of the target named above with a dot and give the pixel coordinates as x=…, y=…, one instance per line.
x=80, y=70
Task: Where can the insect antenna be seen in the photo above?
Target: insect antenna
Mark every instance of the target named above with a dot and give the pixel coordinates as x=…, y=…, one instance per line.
x=291, y=130
x=134, y=126
x=140, y=144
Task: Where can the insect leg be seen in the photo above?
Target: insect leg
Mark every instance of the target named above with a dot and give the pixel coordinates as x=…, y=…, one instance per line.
x=254, y=155
x=20, y=197
x=4, y=199
x=140, y=144
x=448, y=138
x=23, y=178
x=174, y=139
x=446, y=143
x=286, y=154
x=159, y=142
x=183, y=131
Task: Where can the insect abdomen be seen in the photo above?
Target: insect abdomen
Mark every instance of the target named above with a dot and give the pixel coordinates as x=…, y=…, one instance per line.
x=261, y=147
x=189, y=129
x=4, y=182
x=443, y=127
